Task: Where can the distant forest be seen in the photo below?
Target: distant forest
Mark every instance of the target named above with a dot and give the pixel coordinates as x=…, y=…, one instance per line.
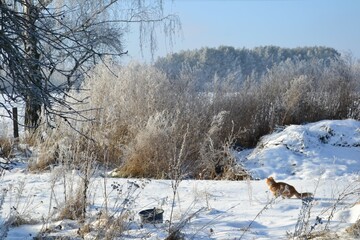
x=237, y=64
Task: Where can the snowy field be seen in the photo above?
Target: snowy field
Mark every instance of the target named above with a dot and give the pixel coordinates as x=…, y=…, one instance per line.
x=322, y=158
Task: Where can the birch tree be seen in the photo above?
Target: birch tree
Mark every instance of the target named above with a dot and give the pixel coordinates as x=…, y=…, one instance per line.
x=46, y=46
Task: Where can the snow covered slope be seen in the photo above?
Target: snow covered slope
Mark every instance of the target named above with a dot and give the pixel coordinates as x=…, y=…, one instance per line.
x=330, y=149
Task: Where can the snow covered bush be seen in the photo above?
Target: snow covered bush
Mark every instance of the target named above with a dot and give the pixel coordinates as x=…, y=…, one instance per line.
x=354, y=230
x=136, y=122
x=5, y=147
x=137, y=115
x=150, y=153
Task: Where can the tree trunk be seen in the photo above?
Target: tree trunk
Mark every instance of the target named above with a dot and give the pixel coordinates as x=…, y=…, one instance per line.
x=32, y=113
x=34, y=86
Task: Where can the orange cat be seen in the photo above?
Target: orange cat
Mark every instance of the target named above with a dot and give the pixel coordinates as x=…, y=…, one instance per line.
x=285, y=190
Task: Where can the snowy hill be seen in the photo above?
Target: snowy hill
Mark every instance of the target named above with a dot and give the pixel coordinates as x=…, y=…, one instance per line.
x=330, y=149
x=322, y=158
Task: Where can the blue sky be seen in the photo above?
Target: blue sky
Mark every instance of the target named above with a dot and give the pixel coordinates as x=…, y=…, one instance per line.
x=251, y=23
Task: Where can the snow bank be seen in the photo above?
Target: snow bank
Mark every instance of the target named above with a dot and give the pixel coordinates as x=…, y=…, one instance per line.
x=326, y=149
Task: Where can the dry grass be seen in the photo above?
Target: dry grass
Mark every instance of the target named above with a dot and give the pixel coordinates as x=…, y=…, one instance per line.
x=139, y=116
x=48, y=141
x=5, y=147
x=354, y=230
x=19, y=220
x=73, y=208
x=321, y=235
x=150, y=152
x=105, y=227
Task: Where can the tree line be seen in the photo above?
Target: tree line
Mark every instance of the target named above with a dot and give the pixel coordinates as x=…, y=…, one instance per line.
x=238, y=64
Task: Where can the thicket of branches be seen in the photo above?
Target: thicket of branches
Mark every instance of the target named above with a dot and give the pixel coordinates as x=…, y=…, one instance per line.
x=48, y=46
x=142, y=115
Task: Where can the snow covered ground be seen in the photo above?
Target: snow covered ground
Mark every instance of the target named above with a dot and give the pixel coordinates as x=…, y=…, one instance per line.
x=322, y=158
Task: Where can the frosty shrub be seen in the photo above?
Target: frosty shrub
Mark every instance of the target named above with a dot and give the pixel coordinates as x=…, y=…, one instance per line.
x=295, y=93
x=136, y=121
x=5, y=147
x=73, y=207
x=217, y=160
x=149, y=154
x=354, y=230
x=137, y=116
x=47, y=152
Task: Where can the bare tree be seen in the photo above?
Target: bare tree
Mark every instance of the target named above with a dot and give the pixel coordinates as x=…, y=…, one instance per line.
x=46, y=47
